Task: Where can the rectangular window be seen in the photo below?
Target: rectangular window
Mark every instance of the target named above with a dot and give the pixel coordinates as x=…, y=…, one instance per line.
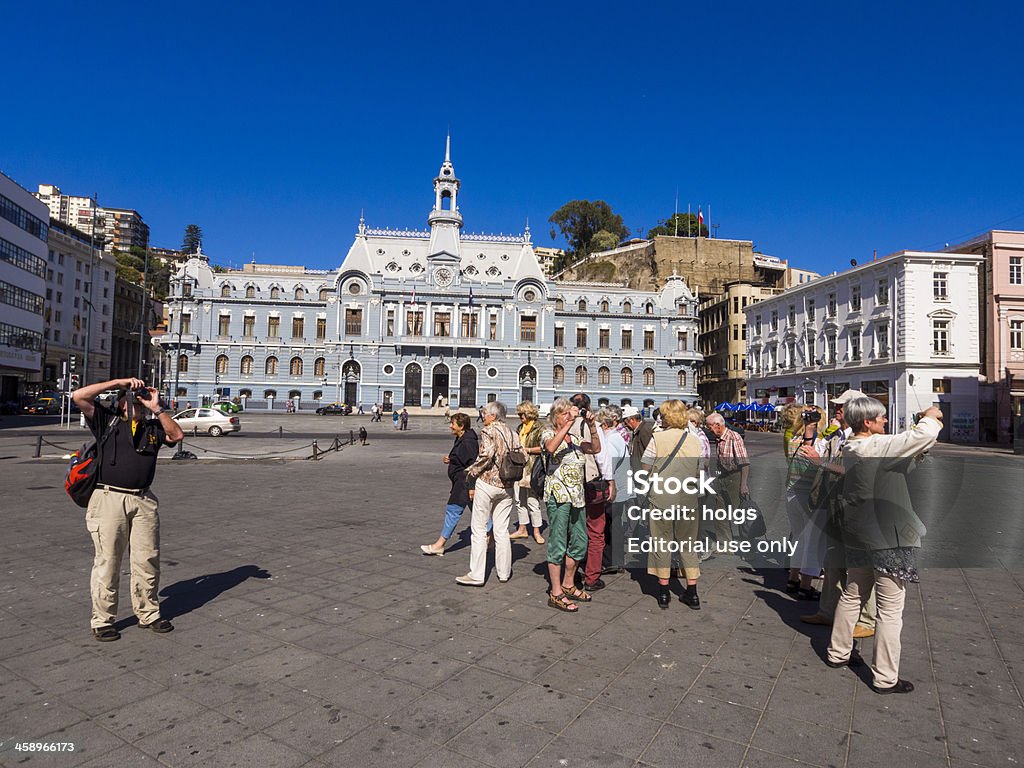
x=627, y=339
x=682, y=339
x=939, y=285
x=492, y=327
x=735, y=305
x=1017, y=334
x=792, y=315
x=810, y=310
x=855, y=298
x=60, y=278
x=298, y=327
x=942, y=386
x=274, y=327
x=940, y=337
x=186, y=323
x=223, y=324
x=470, y=325
x=830, y=349
x=354, y=322
x=581, y=338
x=413, y=322
x=389, y=322
x=249, y=326
x=604, y=338
x=648, y=341
x=1017, y=270
x=528, y=329
x=831, y=305
x=321, y=328
x=882, y=293
x=855, y=346
x=186, y=290
x=775, y=320
x=442, y=323
x=559, y=337
x=757, y=325
x=882, y=337
x=735, y=333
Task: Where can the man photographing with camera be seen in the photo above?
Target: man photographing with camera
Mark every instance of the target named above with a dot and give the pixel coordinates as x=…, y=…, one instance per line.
x=122, y=510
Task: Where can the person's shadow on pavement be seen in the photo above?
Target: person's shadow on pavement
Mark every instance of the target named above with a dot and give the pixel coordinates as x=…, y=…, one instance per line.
x=187, y=595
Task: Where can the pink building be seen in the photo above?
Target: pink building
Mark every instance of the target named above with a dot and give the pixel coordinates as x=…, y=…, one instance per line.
x=1002, y=330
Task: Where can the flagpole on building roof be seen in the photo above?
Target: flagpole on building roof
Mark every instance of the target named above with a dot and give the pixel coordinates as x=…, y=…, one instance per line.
x=709, y=219
x=675, y=215
x=689, y=229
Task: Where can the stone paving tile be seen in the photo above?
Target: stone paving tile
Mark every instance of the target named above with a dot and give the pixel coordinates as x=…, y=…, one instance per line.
x=161, y=712
x=93, y=744
x=327, y=679
x=868, y=749
x=745, y=691
x=568, y=752
x=129, y=757
x=379, y=746
x=514, y=662
x=377, y=696
x=612, y=730
x=501, y=742
x=45, y=714
x=317, y=728
x=543, y=708
x=801, y=740
x=715, y=717
x=576, y=679
x=257, y=750
x=674, y=747
x=195, y=740
x=985, y=747
x=266, y=704
x=426, y=670
x=376, y=654
x=757, y=758
x=104, y=695
x=436, y=718
x=917, y=725
x=486, y=689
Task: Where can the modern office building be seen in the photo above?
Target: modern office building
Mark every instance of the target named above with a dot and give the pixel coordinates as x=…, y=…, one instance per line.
x=24, y=222
x=418, y=318
x=903, y=329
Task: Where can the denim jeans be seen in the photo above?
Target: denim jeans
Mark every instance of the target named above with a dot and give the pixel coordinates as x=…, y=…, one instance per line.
x=452, y=513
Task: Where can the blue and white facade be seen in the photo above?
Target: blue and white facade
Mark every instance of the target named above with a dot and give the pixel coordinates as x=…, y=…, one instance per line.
x=425, y=318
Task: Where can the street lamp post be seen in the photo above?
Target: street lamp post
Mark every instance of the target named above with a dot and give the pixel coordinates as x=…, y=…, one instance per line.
x=142, y=318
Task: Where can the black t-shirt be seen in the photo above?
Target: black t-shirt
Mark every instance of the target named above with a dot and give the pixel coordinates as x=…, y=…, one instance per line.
x=127, y=460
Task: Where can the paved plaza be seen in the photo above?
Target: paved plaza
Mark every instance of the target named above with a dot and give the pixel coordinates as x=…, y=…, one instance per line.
x=310, y=631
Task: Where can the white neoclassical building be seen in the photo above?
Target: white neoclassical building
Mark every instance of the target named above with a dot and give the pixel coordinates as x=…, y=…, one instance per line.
x=903, y=329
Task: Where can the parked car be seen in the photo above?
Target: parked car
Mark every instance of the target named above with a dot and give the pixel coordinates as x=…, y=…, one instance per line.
x=208, y=420
x=43, y=406
x=335, y=409
x=226, y=406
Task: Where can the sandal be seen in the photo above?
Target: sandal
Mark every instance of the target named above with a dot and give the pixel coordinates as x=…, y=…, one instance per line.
x=106, y=634
x=576, y=594
x=561, y=603
x=792, y=586
x=539, y=539
x=808, y=594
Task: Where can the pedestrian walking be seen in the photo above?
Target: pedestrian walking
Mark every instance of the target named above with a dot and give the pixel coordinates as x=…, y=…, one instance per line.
x=405, y=420
x=362, y=435
x=394, y=419
x=122, y=511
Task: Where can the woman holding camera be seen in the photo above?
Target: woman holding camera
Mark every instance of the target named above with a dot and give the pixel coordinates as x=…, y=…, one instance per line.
x=806, y=522
x=881, y=534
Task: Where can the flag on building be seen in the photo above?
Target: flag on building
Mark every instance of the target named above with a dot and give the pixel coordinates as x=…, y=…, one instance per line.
x=700, y=216
x=471, y=296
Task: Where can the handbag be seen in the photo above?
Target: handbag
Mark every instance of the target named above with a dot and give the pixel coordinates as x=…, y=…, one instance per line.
x=755, y=528
x=539, y=474
x=83, y=468
x=513, y=462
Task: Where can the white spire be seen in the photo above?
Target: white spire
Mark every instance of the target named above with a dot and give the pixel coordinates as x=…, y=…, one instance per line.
x=448, y=148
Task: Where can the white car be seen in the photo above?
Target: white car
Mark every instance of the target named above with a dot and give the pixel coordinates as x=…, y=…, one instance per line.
x=208, y=420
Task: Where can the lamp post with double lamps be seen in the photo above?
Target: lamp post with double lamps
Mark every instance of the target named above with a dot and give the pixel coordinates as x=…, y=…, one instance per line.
x=179, y=283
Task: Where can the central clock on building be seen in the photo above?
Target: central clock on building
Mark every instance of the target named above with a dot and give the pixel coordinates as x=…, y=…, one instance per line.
x=443, y=277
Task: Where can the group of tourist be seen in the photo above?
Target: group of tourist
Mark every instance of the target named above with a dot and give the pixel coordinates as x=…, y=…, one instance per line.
x=848, y=506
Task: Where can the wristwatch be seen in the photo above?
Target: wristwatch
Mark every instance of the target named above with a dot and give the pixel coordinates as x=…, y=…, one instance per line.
x=162, y=410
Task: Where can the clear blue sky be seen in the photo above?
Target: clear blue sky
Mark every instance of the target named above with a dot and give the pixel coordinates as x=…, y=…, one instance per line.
x=820, y=133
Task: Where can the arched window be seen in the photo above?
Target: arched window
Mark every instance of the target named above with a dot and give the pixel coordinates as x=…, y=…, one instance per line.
x=559, y=375
x=649, y=308
x=581, y=374
x=269, y=394
x=582, y=305
x=245, y=393
x=222, y=364
x=318, y=366
x=295, y=367
x=559, y=305
x=323, y=294
x=300, y=293
x=627, y=307
x=682, y=379
x=225, y=291
x=275, y=292
x=270, y=369
x=627, y=377
x=246, y=367
x=648, y=377
x=183, y=363
x=604, y=375
x=604, y=305
x=250, y=291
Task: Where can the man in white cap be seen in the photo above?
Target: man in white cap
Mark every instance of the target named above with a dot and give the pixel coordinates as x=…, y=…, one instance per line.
x=837, y=433
x=642, y=431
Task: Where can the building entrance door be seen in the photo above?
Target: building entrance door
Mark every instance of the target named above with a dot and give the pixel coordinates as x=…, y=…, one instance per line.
x=467, y=387
x=413, y=385
x=527, y=382
x=439, y=382
x=350, y=372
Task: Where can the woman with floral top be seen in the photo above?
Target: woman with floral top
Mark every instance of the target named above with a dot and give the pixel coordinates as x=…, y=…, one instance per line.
x=563, y=494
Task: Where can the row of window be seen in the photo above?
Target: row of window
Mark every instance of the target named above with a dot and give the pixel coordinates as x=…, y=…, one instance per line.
x=604, y=376
x=250, y=292
x=605, y=306
x=21, y=258
x=18, y=216
x=810, y=303
x=245, y=368
x=21, y=338
x=809, y=348
x=18, y=297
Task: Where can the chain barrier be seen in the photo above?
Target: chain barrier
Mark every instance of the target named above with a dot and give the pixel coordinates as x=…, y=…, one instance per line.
x=271, y=454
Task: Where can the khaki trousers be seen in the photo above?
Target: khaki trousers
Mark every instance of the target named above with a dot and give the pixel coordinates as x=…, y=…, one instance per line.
x=527, y=507
x=490, y=502
x=890, y=596
x=117, y=520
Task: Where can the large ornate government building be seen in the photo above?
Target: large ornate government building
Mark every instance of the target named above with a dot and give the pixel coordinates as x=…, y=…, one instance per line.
x=419, y=318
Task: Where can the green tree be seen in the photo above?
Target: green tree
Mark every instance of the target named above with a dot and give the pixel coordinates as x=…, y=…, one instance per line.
x=580, y=220
x=603, y=241
x=191, y=239
x=686, y=224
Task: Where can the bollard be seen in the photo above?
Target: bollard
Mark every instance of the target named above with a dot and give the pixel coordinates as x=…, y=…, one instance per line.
x=195, y=431
x=351, y=437
x=315, y=455
x=280, y=431
x=39, y=446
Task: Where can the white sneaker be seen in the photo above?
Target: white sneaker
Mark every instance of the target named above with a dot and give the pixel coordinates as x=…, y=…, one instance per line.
x=468, y=581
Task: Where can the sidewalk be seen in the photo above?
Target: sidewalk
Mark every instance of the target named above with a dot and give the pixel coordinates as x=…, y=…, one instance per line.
x=310, y=631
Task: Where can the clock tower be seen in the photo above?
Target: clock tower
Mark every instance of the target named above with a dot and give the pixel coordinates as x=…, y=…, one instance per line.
x=445, y=220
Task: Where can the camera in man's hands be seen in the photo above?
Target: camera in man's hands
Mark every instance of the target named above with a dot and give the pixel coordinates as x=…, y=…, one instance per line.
x=811, y=417
x=140, y=393
x=584, y=414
